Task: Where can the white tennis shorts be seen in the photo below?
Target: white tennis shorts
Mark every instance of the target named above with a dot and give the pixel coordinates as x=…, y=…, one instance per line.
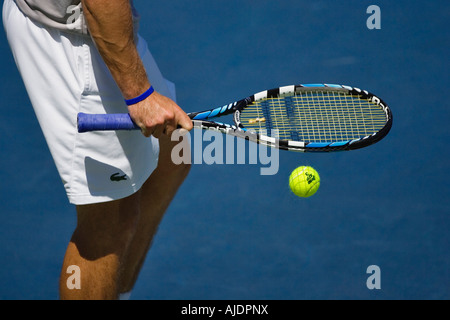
x=64, y=75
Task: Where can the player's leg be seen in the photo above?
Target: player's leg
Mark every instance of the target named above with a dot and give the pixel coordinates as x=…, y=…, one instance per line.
x=112, y=239
x=156, y=195
x=98, y=247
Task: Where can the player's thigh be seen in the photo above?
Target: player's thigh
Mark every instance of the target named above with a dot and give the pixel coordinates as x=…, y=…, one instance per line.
x=167, y=154
x=106, y=228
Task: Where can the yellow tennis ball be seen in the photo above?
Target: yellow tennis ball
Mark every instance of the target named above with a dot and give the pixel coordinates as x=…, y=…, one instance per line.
x=304, y=181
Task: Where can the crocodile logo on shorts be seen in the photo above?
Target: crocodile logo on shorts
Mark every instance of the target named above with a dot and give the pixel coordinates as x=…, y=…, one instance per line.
x=116, y=177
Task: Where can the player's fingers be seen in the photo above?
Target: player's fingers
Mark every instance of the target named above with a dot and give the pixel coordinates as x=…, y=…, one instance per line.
x=158, y=131
x=144, y=130
x=169, y=129
x=184, y=122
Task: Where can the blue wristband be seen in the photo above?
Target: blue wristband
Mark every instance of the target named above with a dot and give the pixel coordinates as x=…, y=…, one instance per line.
x=142, y=97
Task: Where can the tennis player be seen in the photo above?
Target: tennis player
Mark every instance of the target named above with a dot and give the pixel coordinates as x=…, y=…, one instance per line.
x=87, y=56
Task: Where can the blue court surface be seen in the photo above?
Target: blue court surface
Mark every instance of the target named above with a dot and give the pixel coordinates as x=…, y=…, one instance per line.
x=232, y=233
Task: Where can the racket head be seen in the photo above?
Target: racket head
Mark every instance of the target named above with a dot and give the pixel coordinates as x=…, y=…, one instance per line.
x=313, y=118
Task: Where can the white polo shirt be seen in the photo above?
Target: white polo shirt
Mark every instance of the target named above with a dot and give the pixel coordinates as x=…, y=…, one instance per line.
x=66, y=15
x=60, y=14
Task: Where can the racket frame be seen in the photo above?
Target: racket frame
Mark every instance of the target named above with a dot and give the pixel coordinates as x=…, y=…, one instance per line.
x=202, y=120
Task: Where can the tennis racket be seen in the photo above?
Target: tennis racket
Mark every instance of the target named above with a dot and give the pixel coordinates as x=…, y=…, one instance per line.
x=307, y=118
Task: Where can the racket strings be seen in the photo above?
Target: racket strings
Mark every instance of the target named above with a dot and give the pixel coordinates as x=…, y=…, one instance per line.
x=315, y=116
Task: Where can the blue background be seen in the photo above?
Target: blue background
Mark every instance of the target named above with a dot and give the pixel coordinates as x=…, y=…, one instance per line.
x=232, y=233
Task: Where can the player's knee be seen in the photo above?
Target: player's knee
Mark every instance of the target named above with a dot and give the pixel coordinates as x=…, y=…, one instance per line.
x=106, y=228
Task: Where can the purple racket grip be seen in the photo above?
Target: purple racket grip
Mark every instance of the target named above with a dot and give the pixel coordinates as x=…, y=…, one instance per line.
x=105, y=122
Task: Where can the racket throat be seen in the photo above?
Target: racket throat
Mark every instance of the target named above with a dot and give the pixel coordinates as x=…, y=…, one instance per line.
x=237, y=119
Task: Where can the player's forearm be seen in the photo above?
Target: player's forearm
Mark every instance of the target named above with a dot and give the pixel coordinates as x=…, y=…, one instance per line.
x=110, y=23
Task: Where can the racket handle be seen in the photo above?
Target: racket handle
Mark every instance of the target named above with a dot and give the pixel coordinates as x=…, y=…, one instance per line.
x=105, y=122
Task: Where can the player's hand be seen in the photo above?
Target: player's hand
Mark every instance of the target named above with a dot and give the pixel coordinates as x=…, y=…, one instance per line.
x=158, y=115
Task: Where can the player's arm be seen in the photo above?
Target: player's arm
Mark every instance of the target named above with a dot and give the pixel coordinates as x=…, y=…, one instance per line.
x=110, y=24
